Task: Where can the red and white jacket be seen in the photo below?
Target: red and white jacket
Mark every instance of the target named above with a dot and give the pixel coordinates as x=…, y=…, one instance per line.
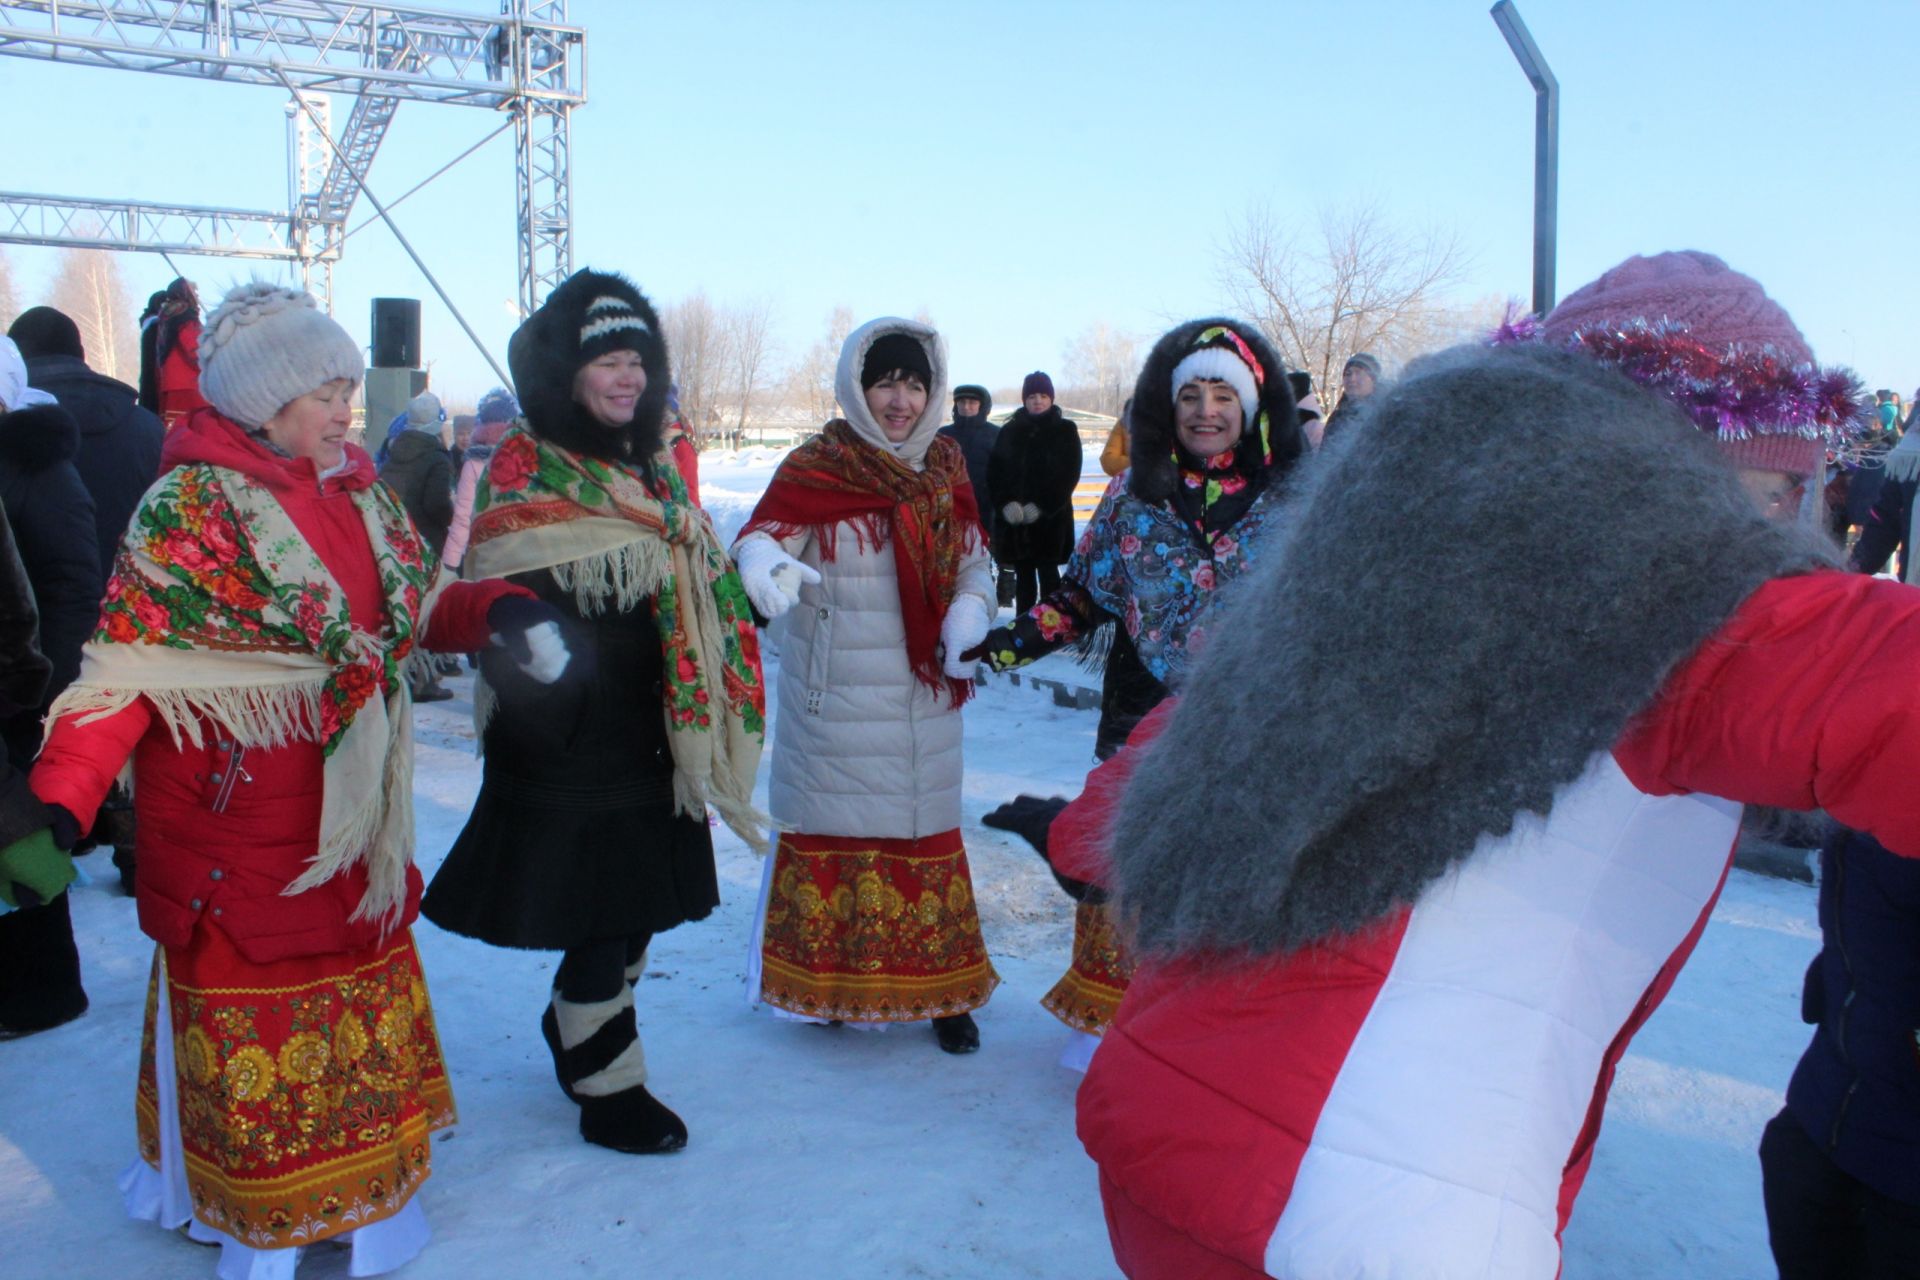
x=1419, y=1101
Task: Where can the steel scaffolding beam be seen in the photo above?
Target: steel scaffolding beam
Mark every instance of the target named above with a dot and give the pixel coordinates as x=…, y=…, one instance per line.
x=526, y=60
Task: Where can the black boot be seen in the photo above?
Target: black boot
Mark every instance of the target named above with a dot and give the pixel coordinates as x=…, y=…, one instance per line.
x=958, y=1033
x=39, y=970
x=633, y=1121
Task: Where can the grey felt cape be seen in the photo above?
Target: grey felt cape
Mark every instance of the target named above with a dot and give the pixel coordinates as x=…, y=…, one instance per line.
x=1475, y=594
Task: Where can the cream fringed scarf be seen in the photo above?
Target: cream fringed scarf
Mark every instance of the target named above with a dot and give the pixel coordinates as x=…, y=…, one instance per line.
x=613, y=541
x=219, y=611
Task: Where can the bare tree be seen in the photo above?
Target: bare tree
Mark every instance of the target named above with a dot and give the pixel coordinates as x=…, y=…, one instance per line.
x=810, y=380
x=9, y=297
x=88, y=286
x=1100, y=366
x=1358, y=282
x=697, y=345
x=749, y=343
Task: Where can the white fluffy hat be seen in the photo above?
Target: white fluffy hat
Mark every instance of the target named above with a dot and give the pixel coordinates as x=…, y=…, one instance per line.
x=267, y=345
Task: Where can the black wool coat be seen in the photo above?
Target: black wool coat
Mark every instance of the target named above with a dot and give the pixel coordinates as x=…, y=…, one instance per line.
x=1034, y=460
x=573, y=838
x=420, y=474
x=51, y=516
x=119, y=455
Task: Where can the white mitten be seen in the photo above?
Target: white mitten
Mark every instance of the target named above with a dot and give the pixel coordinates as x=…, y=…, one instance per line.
x=964, y=627
x=1014, y=513
x=547, y=655
x=772, y=577
x=1029, y=514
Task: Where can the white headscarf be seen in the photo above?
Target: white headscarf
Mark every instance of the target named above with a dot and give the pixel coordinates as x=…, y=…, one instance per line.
x=14, y=391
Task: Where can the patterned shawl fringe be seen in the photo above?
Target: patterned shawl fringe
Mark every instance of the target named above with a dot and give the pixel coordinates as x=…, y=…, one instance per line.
x=627, y=575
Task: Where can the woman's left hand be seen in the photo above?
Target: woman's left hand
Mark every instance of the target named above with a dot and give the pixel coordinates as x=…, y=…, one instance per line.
x=964, y=627
x=529, y=630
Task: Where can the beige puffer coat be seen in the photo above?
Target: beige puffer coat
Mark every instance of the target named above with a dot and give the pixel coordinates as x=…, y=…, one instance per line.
x=861, y=748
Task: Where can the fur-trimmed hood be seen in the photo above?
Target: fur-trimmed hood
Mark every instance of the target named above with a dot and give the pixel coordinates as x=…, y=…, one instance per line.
x=546, y=352
x=853, y=401
x=1527, y=544
x=1153, y=472
x=36, y=438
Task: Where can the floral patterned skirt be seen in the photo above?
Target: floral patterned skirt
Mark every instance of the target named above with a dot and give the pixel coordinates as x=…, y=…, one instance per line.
x=1087, y=995
x=873, y=930
x=308, y=1088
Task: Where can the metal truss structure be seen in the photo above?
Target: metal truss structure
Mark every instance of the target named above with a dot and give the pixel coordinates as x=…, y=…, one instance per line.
x=526, y=61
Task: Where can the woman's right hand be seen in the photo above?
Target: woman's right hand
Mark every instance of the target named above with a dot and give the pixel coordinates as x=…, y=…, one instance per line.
x=772, y=577
x=34, y=869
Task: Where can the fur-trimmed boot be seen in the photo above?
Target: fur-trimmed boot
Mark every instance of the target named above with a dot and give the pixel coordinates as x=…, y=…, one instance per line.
x=601, y=1066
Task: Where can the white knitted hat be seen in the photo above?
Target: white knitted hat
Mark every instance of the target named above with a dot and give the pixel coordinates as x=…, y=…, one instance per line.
x=1217, y=364
x=266, y=346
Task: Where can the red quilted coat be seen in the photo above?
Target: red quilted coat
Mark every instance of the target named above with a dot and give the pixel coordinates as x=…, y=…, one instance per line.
x=1420, y=1101
x=229, y=867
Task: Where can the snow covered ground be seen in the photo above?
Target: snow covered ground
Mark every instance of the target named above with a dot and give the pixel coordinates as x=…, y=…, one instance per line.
x=819, y=1153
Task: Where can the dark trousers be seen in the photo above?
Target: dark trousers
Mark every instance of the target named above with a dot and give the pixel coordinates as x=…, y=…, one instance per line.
x=593, y=971
x=1031, y=580
x=1824, y=1224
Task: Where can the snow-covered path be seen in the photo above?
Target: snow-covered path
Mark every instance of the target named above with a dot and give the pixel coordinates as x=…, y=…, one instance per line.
x=820, y=1153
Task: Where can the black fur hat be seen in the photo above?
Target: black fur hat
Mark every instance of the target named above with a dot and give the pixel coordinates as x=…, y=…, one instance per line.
x=1153, y=473
x=590, y=314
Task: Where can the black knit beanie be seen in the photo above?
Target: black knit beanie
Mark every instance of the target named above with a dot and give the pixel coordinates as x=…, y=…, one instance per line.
x=42, y=331
x=895, y=351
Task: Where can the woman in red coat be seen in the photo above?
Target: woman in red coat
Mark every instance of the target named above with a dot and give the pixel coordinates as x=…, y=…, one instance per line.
x=1400, y=914
x=177, y=348
x=250, y=662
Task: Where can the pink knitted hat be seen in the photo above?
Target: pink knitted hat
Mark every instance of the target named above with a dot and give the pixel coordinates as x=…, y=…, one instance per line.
x=1709, y=337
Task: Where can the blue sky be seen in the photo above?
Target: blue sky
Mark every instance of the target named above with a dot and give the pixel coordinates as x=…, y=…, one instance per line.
x=1023, y=170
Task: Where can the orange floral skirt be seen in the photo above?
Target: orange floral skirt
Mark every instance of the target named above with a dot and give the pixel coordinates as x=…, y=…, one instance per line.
x=307, y=1089
x=1091, y=990
x=872, y=930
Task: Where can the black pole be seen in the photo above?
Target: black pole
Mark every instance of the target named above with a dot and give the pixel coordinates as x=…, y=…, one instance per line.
x=1546, y=149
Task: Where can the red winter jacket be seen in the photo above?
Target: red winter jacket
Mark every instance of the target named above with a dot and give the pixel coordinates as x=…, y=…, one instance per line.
x=180, y=377
x=230, y=867
x=1421, y=1100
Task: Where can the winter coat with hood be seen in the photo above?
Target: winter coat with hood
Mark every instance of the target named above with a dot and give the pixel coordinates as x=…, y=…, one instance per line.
x=1035, y=460
x=420, y=473
x=1155, y=556
x=52, y=517
x=975, y=436
x=573, y=837
x=119, y=442
x=1489, y=837
x=861, y=747
x=207, y=865
x=1856, y=1092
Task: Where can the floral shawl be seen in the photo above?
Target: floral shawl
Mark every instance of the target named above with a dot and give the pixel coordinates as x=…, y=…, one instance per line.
x=611, y=537
x=219, y=610
x=1147, y=565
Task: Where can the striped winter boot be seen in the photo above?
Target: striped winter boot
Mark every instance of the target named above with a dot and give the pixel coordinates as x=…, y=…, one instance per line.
x=600, y=1064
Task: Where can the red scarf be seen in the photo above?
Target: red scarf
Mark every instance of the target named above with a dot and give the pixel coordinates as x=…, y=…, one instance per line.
x=838, y=477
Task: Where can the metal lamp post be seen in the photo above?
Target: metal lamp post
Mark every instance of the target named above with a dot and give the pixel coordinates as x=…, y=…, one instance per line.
x=1546, y=148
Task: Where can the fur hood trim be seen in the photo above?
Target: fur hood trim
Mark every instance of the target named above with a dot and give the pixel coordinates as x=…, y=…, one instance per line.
x=853, y=400
x=1462, y=608
x=40, y=437
x=547, y=351
x=1153, y=474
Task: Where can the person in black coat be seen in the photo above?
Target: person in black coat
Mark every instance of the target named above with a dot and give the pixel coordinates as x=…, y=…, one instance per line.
x=975, y=436
x=1841, y=1162
x=119, y=441
x=51, y=518
x=419, y=470
x=1031, y=473
x=1888, y=527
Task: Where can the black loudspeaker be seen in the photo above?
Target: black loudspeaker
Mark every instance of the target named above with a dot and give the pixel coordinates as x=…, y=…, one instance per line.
x=396, y=333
